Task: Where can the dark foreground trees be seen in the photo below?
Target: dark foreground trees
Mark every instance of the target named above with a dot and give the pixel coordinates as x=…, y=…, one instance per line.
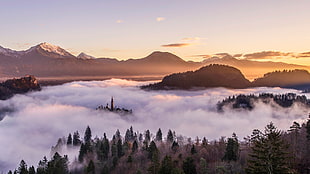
x=265, y=152
x=269, y=152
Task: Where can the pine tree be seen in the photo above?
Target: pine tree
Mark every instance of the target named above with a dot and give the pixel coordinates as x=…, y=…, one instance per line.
x=82, y=152
x=159, y=135
x=22, y=169
x=175, y=146
x=134, y=147
x=203, y=166
x=117, y=134
x=58, y=165
x=152, y=150
x=129, y=159
x=42, y=166
x=232, y=149
x=90, y=168
x=166, y=165
x=193, y=150
x=147, y=136
x=204, y=142
x=170, y=137
x=308, y=128
x=69, y=140
x=120, y=151
x=76, y=139
x=268, y=152
x=32, y=170
x=87, y=135
x=189, y=166
x=155, y=165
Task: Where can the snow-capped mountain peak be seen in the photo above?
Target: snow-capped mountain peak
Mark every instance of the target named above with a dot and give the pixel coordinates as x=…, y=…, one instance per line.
x=85, y=56
x=53, y=49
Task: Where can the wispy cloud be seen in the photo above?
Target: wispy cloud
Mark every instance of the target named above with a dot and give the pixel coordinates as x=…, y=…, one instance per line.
x=177, y=45
x=303, y=55
x=267, y=55
x=159, y=19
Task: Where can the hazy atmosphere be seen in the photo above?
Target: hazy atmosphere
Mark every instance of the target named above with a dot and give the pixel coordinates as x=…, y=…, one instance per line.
x=208, y=86
x=40, y=118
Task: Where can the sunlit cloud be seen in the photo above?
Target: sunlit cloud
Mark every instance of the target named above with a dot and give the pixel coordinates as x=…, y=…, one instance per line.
x=267, y=55
x=177, y=45
x=159, y=19
x=205, y=56
x=303, y=55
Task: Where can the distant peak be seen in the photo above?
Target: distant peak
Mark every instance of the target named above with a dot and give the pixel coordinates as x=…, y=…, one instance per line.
x=160, y=53
x=48, y=47
x=85, y=56
x=163, y=57
x=53, y=49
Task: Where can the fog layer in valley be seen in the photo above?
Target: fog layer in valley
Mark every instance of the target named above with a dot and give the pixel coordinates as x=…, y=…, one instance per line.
x=38, y=119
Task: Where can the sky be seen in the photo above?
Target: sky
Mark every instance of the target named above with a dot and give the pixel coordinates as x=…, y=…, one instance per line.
x=28, y=134
x=126, y=29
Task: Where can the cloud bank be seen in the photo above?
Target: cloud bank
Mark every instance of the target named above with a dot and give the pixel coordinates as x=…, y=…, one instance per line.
x=40, y=118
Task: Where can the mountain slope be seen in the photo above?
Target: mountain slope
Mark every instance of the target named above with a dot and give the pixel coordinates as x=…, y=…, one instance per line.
x=253, y=69
x=292, y=78
x=206, y=77
x=47, y=60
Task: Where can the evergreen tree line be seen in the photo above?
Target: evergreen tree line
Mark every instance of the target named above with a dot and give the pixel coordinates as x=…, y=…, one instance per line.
x=270, y=151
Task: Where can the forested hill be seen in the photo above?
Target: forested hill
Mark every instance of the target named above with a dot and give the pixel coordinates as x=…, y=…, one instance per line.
x=18, y=86
x=248, y=102
x=137, y=153
x=229, y=77
x=291, y=78
x=209, y=76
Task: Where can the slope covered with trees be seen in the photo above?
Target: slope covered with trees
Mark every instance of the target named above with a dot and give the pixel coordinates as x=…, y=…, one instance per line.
x=209, y=76
x=267, y=151
x=18, y=86
x=248, y=102
x=216, y=75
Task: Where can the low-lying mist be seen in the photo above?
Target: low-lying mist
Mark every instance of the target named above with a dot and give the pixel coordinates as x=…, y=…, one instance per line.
x=35, y=121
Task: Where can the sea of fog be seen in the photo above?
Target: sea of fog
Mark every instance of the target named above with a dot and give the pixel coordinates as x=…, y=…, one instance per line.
x=40, y=118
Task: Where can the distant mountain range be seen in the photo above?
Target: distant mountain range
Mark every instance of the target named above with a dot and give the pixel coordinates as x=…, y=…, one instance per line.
x=47, y=60
x=229, y=77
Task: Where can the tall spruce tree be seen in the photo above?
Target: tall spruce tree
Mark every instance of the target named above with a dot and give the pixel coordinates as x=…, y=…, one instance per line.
x=232, y=149
x=189, y=166
x=170, y=137
x=31, y=170
x=76, y=139
x=159, y=135
x=308, y=128
x=69, y=139
x=87, y=135
x=268, y=152
x=22, y=169
x=58, y=165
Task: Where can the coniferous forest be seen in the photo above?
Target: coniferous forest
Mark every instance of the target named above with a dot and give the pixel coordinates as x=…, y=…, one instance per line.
x=268, y=151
